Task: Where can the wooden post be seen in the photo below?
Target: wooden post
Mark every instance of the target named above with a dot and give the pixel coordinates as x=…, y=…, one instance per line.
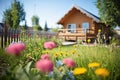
x=11, y=35
x=9, y=32
x=14, y=34
x=2, y=38
x=6, y=33
x=17, y=34
x=86, y=35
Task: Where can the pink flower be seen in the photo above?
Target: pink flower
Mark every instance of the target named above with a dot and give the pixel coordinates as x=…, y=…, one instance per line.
x=44, y=65
x=11, y=49
x=49, y=45
x=45, y=56
x=69, y=62
x=20, y=46
x=15, y=48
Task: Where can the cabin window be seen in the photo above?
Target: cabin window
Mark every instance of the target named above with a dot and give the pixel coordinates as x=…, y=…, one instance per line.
x=71, y=28
x=85, y=26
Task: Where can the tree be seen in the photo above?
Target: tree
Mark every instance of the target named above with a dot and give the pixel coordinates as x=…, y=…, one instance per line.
x=55, y=30
x=46, y=27
x=35, y=23
x=38, y=27
x=25, y=25
x=14, y=15
x=7, y=17
x=109, y=12
x=35, y=20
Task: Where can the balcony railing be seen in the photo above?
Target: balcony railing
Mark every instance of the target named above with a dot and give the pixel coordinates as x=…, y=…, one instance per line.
x=78, y=30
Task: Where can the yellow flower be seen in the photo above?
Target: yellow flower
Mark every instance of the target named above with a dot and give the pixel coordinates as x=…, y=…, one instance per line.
x=99, y=30
x=102, y=72
x=89, y=40
x=60, y=69
x=66, y=54
x=75, y=46
x=55, y=55
x=78, y=54
x=94, y=64
x=73, y=52
x=61, y=53
x=78, y=71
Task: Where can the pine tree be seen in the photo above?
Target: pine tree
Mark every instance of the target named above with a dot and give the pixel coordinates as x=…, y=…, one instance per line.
x=14, y=15
x=46, y=27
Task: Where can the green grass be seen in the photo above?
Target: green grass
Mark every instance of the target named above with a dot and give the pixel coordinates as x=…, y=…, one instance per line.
x=108, y=57
x=86, y=54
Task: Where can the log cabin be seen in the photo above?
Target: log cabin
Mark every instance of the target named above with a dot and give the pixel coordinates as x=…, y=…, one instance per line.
x=78, y=23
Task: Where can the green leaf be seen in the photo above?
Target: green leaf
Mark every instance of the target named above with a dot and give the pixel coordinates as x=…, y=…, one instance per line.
x=28, y=67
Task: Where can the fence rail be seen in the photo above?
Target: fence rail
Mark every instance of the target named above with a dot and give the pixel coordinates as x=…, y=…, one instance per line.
x=9, y=35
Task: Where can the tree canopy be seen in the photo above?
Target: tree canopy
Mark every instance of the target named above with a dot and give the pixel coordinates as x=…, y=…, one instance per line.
x=14, y=15
x=35, y=20
x=46, y=27
x=109, y=11
x=35, y=23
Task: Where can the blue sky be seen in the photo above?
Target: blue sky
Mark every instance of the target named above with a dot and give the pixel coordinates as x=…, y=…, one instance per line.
x=49, y=10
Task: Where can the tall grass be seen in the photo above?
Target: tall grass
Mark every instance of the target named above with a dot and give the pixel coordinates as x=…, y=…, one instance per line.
x=108, y=57
x=87, y=54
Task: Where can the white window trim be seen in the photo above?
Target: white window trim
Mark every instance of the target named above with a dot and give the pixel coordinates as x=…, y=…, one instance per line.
x=71, y=30
x=84, y=29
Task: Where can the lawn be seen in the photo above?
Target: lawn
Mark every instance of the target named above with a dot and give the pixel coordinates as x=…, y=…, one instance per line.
x=91, y=62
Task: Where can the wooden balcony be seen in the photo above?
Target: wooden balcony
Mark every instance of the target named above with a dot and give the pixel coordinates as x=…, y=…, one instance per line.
x=83, y=34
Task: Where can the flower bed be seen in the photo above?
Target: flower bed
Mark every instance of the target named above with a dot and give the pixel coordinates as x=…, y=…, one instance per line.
x=31, y=61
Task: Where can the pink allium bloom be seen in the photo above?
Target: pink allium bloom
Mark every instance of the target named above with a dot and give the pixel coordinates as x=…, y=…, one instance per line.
x=44, y=65
x=45, y=56
x=49, y=45
x=11, y=49
x=15, y=48
x=20, y=46
x=69, y=62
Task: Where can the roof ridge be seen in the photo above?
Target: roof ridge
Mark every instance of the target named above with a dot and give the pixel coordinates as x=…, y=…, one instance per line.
x=89, y=14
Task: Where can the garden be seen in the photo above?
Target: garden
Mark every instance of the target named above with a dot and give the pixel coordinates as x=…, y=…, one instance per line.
x=47, y=59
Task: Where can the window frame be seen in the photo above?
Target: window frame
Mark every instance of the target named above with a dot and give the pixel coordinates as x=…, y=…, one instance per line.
x=85, y=26
x=71, y=28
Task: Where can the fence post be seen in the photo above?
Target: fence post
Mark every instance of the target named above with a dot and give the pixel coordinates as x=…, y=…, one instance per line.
x=2, y=38
x=6, y=32
x=9, y=32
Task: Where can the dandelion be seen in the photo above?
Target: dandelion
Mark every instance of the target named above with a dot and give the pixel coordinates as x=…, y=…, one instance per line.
x=78, y=71
x=66, y=54
x=73, y=52
x=102, y=72
x=69, y=62
x=55, y=55
x=47, y=51
x=89, y=40
x=78, y=54
x=75, y=46
x=93, y=64
x=60, y=69
x=99, y=30
x=61, y=53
